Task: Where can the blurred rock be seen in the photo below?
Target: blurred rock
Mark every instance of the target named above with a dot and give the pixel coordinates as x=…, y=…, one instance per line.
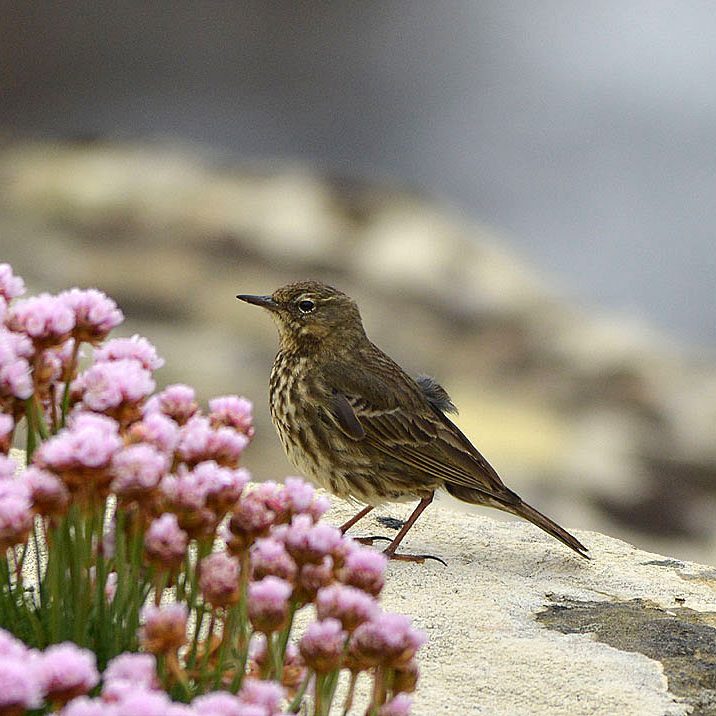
x=597, y=420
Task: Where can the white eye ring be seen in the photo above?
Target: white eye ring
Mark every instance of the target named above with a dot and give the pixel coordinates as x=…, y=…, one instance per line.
x=306, y=306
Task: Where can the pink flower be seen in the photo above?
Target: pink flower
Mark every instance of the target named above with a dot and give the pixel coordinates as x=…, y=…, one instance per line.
x=223, y=485
x=8, y=467
x=11, y=286
x=177, y=401
x=11, y=647
x=15, y=514
x=217, y=703
x=251, y=518
x=309, y=542
x=165, y=542
x=183, y=491
x=95, y=313
x=322, y=645
x=270, y=558
x=365, y=569
x=65, y=671
x=105, y=386
x=48, y=493
x=268, y=694
x=158, y=430
x=351, y=606
x=89, y=441
x=219, y=579
x=399, y=705
x=136, y=348
x=312, y=577
x=198, y=442
x=138, y=669
x=232, y=411
x=15, y=375
x=389, y=639
x=7, y=428
x=268, y=604
x=299, y=494
x=140, y=702
x=137, y=470
x=19, y=687
x=85, y=706
x=164, y=628
x=46, y=319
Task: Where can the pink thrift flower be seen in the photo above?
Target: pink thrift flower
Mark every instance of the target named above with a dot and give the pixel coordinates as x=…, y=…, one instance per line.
x=85, y=706
x=15, y=514
x=90, y=441
x=158, y=430
x=268, y=694
x=19, y=686
x=233, y=412
x=389, y=639
x=15, y=374
x=142, y=702
x=217, y=703
x=177, y=401
x=198, y=442
x=219, y=579
x=322, y=645
x=137, y=669
x=46, y=319
x=312, y=577
x=165, y=542
x=268, y=604
x=8, y=467
x=251, y=518
x=105, y=386
x=399, y=705
x=11, y=286
x=299, y=494
x=65, y=671
x=365, y=569
x=270, y=558
x=11, y=647
x=137, y=470
x=136, y=348
x=164, y=627
x=48, y=493
x=95, y=313
x=7, y=428
x=351, y=606
x=308, y=542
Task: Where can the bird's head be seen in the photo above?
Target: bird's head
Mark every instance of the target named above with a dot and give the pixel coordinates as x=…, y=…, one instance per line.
x=311, y=314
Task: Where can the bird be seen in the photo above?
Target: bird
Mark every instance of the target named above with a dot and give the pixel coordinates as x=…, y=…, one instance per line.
x=356, y=424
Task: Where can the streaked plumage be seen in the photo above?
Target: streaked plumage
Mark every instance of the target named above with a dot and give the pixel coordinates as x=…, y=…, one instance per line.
x=355, y=423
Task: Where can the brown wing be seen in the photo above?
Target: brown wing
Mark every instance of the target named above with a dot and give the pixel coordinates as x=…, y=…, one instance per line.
x=399, y=422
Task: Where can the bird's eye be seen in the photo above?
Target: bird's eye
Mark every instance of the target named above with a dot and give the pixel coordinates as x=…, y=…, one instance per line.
x=306, y=306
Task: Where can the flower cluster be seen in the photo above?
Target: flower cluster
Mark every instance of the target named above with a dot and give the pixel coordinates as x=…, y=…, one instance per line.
x=147, y=536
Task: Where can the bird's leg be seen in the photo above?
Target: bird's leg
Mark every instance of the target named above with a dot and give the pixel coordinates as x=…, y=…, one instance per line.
x=389, y=551
x=347, y=525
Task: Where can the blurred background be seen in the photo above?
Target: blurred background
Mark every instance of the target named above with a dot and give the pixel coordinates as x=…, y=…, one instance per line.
x=521, y=196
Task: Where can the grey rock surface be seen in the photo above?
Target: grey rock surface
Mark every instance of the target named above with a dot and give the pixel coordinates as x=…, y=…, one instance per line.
x=518, y=625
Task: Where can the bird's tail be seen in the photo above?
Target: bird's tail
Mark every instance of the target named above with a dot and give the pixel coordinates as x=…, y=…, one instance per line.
x=517, y=507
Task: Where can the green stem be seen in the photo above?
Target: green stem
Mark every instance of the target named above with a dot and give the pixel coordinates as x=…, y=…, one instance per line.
x=66, y=392
x=295, y=705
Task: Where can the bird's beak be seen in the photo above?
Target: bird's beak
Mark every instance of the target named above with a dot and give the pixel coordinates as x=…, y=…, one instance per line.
x=263, y=301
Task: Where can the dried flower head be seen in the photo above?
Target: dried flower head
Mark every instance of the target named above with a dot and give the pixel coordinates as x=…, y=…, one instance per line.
x=164, y=628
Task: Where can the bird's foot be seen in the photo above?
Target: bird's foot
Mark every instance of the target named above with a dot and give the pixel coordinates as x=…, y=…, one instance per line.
x=419, y=558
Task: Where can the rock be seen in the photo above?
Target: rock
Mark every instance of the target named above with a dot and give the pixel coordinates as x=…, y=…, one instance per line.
x=517, y=624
